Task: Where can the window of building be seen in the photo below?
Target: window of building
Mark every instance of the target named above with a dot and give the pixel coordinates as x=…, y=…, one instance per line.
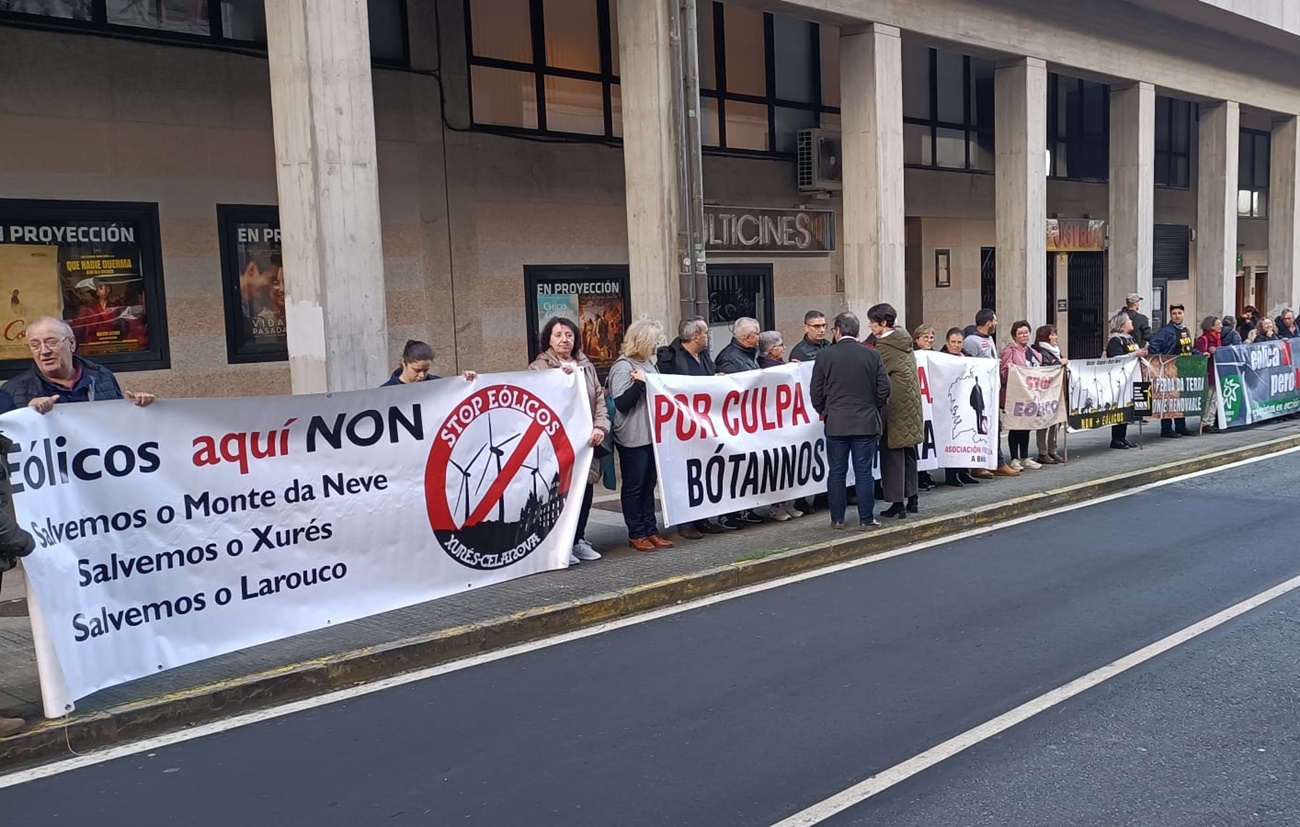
x=220, y=22
x=947, y=110
x=1078, y=129
x=545, y=66
x=1252, y=174
x=1173, y=142
x=764, y=77
x=96, y=265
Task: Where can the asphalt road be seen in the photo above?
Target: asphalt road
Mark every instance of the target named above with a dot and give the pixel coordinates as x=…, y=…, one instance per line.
x=747, y=711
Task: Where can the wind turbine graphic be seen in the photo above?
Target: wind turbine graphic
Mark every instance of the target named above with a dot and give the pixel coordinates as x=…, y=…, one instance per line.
x=535, y=469
x=497, y=452
x=464, y=482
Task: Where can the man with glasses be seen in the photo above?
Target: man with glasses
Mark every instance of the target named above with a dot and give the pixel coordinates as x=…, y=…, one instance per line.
x=59, y=375
x=814, y=338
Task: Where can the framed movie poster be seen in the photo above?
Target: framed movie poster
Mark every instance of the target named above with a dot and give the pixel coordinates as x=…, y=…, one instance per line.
x=97, y=266
x=252, y=275
x=593, y=297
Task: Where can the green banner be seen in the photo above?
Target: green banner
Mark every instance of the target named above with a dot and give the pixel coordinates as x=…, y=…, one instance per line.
x=1178, y=385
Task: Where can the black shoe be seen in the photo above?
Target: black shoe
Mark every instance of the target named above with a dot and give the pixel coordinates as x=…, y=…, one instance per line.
x=1118, y=444
x=966, y=478
x=837, y=526
x=914, y=504
x=952, y=478
x=1130, y=443
x=804, y=505
x=868, y=524
x=709, y=527
x=895, y=510
x=1210, y=429
x=750, y=518
x=726, y=523
x=1169, y=435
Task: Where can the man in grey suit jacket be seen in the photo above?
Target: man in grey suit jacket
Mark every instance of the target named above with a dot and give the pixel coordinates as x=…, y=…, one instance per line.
x=850, y=387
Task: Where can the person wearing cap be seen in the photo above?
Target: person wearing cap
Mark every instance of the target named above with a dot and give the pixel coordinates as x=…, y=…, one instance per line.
x=1174, y=339
x=1141, y=324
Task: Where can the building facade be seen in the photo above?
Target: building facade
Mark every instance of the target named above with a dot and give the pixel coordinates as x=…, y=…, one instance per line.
x=229, y=216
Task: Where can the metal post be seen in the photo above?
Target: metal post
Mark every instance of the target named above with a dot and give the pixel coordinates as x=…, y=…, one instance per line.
x=692, y=271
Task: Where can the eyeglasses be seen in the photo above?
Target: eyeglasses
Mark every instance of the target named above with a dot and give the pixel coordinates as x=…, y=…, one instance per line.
x=37, y=345
x=821, y=326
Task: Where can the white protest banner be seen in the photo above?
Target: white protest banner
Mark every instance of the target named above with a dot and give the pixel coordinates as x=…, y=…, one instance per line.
x=1101, y=392
x=192, y=528
x=964, y=391
x=727, y=443
x=1035, y=398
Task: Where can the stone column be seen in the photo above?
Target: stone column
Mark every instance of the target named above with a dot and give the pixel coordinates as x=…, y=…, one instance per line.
x=875, y=241
x=1283, y=219
x=1216, y=211
x=1020, y=119
x=650, y=159
x=326, y=170
x=1132, y=192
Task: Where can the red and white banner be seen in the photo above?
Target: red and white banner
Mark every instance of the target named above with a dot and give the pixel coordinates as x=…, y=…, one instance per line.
x=192, y=528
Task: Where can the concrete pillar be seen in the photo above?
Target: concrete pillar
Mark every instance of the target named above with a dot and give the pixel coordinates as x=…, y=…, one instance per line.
x=875, y=240
x=1020, y=121
x=1283, y=218
x=650, y=159
x=326, y=170
x=1132, y=192
x=1216, y=211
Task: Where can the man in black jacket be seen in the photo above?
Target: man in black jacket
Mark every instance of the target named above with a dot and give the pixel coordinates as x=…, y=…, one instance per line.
x=1141, y=324
x=688, y=355
x=1174, y=339
x=742, y=354
x=849, y=389
x=814, y=338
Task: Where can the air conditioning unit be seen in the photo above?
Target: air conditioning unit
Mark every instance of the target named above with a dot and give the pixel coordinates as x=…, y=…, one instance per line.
x=819, y=159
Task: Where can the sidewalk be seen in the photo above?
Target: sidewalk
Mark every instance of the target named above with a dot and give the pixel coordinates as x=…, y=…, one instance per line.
x=623, y=582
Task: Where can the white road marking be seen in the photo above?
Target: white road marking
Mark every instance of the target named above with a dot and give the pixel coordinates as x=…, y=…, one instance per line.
x=898, y=773
x=257, y=716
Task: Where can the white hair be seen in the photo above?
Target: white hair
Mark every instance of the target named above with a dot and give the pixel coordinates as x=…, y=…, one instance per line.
x=49, y=321
x=744, y=326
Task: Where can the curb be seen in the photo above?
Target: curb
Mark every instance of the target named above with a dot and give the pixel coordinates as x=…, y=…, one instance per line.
x=50, y=740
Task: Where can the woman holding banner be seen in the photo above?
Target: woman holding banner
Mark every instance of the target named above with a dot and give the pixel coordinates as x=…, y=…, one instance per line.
x=1121, y=343
x=1047, y=345
x=1018, y=352
x=632, y=433
x=1209, y=341
x=560, y=351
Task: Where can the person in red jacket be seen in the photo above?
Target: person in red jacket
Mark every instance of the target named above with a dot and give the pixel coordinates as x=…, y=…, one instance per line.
x=1209, y=341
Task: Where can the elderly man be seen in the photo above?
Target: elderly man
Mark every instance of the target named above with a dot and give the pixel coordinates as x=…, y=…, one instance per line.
x=1141, y=324
x=60, y=375
x=814, y=338
x=742, y=354
x=688, y=355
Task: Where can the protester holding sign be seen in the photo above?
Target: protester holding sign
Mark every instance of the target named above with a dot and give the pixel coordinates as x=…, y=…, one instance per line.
x=1174, y=339
x=1209, y=341
x=1047, y=346
x=1018, y=352
x=904, y=418
x=1121, y=343
x=632, y=433
x=416, y=364
x=59, y=375
x=849, y=388
x=558, y=343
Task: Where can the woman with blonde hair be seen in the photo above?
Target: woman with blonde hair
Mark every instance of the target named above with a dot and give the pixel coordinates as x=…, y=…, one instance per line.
x=632, y=435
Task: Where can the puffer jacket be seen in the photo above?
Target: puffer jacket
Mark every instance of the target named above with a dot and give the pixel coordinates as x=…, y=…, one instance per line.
x=736, y=358
x=547, y=360
x=904, y=418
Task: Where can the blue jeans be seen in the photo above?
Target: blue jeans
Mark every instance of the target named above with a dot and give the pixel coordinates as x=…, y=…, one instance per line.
x=637, y=465
x=838, y=450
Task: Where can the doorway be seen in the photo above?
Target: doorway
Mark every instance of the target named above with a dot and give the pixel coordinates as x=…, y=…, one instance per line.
x=1086, y=303
x=1261, y=292
x=736, y=291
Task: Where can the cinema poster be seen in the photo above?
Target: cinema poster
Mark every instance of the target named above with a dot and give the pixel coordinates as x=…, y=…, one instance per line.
x=253, y=283
x=594, y=299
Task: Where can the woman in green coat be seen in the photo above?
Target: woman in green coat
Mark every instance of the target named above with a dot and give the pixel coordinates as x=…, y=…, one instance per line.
x=904, y=420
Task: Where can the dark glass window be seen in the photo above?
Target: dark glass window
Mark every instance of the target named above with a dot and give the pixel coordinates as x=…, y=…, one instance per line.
x=947, y=110
x=1252, y=174
x=1173, y=142
x=1078, y=129
x=220, y=22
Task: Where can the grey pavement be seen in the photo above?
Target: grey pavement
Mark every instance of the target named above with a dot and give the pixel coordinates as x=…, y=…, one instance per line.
x=746, y=711
x=622, y=568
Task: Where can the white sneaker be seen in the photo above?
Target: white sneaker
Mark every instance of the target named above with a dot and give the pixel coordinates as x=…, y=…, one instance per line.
x=779, y=514
x=582, y=550
x=791, y=510
x=1016, y=466
x=1032, y=464
x=573, y=559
